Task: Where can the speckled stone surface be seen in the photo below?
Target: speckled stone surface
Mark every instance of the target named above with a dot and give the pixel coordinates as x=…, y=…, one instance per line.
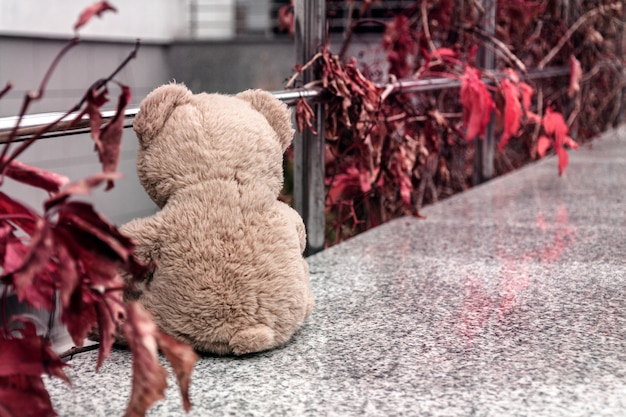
x=508, y=300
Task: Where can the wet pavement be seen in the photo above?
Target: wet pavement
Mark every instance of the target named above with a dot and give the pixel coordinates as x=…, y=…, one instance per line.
x=508, y=300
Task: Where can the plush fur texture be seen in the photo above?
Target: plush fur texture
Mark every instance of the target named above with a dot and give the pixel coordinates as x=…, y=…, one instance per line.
x=230, y=276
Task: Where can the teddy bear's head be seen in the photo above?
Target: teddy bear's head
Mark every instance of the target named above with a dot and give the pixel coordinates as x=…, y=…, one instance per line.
x=187, y=139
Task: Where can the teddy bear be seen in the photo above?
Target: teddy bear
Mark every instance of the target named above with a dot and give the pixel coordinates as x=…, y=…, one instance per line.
x=229, y=275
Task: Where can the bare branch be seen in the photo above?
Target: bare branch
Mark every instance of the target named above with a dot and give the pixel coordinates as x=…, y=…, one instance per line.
x=501, y=49
x=425, y=26
x=6, y=89
x=603, y=9
x=34, y=95
x=24, y=145
x=304, y=68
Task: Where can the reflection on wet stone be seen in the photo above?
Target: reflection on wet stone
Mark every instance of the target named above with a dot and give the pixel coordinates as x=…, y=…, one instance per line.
x=509, y=299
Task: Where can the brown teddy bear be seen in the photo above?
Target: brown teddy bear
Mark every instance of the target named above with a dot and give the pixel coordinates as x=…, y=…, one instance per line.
x=230, y=277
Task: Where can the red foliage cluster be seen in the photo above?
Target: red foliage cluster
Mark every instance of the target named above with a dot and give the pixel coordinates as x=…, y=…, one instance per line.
x=73, y=254
x=477, y=103
x=286, y=18
x=387, y=153
x=556, y=136
x=24, y=359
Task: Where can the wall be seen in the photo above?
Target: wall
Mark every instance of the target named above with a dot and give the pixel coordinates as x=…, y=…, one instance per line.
x=211, y=66
x=150, y=20
x=212, y=19
x=226, y=67
x=233, y=66
x=23, y=61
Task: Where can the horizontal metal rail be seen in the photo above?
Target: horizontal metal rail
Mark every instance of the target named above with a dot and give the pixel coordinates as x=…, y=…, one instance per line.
x=32, y=123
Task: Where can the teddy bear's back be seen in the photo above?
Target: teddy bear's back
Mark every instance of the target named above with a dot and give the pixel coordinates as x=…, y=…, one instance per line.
x=230, y=277
x=245, y=265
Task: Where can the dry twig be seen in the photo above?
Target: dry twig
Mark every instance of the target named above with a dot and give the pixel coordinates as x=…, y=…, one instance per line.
x=603, y=9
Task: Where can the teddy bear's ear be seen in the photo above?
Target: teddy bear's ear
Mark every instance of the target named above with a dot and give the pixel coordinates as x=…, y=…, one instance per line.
x=157, y=107
x=275, y=111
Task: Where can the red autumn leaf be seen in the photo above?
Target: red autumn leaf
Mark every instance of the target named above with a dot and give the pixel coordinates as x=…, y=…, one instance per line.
x=24, y=396
x=98, y=265
x=110, y=313
x=445, y=52
x=95, y=100
x=95, y=298
x=512, y=108
x=111, y=136
x=305, y=116
x=80, y=315
x=575, y=75
x=34, y=176
x=19, y=214
x=527, y=94
x=6, y=234
x=543, y=144
x=471, y=55
x=26, y=267
x=563, y=159
x=554, y=124
x=97, y=301
x=533, y=117
x=286, y=19
x=183, y=359
x=477, y=104
x=95, y=9
x=29, y=354
x=149, y=377
x=94, y=231
x=570, y=142
x=24, y=358
x=67, y=269
x=343, y=185
x=14, y=252
x=80, y=187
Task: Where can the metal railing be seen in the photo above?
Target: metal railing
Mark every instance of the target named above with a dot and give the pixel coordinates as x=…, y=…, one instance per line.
x=309, y=193
x=31, y=123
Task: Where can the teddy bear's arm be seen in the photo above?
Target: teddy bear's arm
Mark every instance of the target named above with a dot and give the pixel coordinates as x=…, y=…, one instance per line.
x=294, y=218
x=145, y=234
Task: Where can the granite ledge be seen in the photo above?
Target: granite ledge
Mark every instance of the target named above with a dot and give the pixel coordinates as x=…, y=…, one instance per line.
x=508, y=300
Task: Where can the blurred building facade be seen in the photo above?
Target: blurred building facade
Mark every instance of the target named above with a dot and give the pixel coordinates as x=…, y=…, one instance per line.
x=151, y=20
x=211, y=45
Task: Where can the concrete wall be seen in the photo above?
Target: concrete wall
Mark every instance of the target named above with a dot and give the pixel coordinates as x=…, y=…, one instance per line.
x=23, y=61
x=150, y=20
x=205, y=66
x=212, y=19
x=231, y=67
x=226, y=67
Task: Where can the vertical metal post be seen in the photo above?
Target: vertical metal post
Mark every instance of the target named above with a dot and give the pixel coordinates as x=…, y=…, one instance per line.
x=193, y=19
x=620, y=54
x=310, y=29
x=483, y=157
